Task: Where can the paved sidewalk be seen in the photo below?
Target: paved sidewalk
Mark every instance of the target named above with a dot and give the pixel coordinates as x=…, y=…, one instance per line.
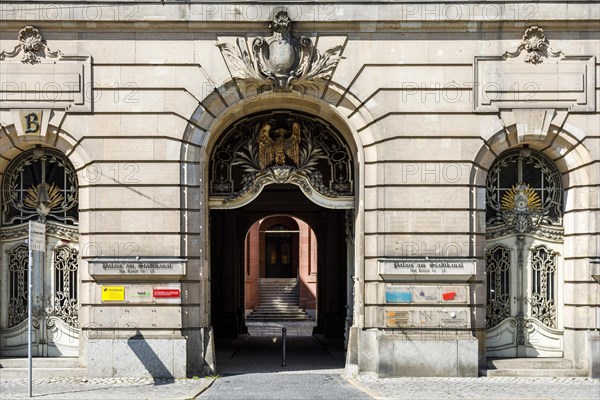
x=104, y=388
x=479, y=388
x=250, y=368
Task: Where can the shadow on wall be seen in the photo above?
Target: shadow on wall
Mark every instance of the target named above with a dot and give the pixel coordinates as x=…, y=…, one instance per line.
x=149, y=359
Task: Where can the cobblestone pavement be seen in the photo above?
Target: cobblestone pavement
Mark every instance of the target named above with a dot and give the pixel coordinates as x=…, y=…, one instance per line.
x=479, y=388
x=103, y=388
x=250, y=368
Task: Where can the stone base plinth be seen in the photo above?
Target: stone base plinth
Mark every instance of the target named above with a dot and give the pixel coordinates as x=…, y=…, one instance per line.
x=408, y=354
x=138, y=356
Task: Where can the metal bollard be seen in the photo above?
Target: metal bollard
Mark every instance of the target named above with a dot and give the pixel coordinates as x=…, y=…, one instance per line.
x=283, y=335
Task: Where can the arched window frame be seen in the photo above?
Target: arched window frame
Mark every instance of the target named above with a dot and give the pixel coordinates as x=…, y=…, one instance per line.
x=523, y=193
x=40, y=184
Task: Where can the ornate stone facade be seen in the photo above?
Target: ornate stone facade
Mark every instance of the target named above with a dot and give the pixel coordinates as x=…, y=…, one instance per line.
x=445, y=156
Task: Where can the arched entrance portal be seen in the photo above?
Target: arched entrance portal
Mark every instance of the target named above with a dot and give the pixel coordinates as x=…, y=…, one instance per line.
x=282, y=167
x=40, y=185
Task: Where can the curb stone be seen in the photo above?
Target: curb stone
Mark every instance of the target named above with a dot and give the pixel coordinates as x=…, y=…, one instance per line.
x=354, y=382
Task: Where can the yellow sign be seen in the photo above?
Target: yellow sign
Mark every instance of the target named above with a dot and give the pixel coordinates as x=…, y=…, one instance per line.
x=113, y=293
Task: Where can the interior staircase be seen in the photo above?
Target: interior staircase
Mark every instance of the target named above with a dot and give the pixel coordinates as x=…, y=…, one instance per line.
x=531, y=367
x=279, y=300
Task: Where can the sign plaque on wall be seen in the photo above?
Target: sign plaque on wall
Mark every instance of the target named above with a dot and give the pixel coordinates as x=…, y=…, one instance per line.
x=426, y=294
x=139, y=294
x=404, y=269
x=431, y=317
x=168, y=293
x=113, y=293
x=143, y=267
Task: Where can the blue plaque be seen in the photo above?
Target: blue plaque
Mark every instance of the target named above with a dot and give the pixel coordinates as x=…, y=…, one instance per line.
x=398, y=297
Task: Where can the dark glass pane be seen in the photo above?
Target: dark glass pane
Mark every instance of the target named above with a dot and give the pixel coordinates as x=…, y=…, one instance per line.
x=509, y=175
x=532, y=175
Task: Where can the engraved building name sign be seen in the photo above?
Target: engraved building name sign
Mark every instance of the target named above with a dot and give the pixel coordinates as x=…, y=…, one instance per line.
x=426, y=269
x=159, y=267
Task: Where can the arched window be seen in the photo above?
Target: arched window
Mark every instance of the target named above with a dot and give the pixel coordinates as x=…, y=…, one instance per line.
x=40, y=184
x=524, y=190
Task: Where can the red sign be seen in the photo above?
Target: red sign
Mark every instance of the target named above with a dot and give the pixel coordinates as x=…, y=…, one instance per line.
x=166, y=293
x=448, y=296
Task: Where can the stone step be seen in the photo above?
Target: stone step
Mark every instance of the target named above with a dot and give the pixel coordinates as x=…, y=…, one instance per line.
x=278, y=280
x=43, y=373
x=569, y=372
x=40, y=362
x=277, y=312
x=279, y=298
x=531, y=367
x=283, y=287
x=277, y=291
x=279, y=301
x=279, y=318
x=278, y=287
x=529, y=363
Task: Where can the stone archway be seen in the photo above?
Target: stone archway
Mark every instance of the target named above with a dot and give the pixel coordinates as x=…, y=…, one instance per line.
x=563, y=147
x=282, y=162
x=40, y=185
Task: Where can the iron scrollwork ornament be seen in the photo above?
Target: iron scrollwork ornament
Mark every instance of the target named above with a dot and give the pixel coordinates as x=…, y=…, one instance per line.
x=281, y=61
x=497, y=268
x=281, y=147
x=524, y=207
x=40, y=184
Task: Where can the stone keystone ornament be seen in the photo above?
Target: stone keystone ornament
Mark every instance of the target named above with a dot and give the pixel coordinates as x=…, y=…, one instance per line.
x=280, y=62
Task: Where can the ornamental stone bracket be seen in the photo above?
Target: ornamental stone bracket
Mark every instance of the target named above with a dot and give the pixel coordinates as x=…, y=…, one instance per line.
x=36, y=78
x=280, y=62
x=534, y=76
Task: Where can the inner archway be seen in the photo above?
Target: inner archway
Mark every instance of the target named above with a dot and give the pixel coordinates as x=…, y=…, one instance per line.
x=281, y=267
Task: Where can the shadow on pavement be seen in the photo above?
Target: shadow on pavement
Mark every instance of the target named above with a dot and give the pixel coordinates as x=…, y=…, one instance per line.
x=259, y=354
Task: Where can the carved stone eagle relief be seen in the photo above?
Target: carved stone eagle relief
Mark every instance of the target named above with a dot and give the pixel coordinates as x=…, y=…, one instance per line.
x=270, y=149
